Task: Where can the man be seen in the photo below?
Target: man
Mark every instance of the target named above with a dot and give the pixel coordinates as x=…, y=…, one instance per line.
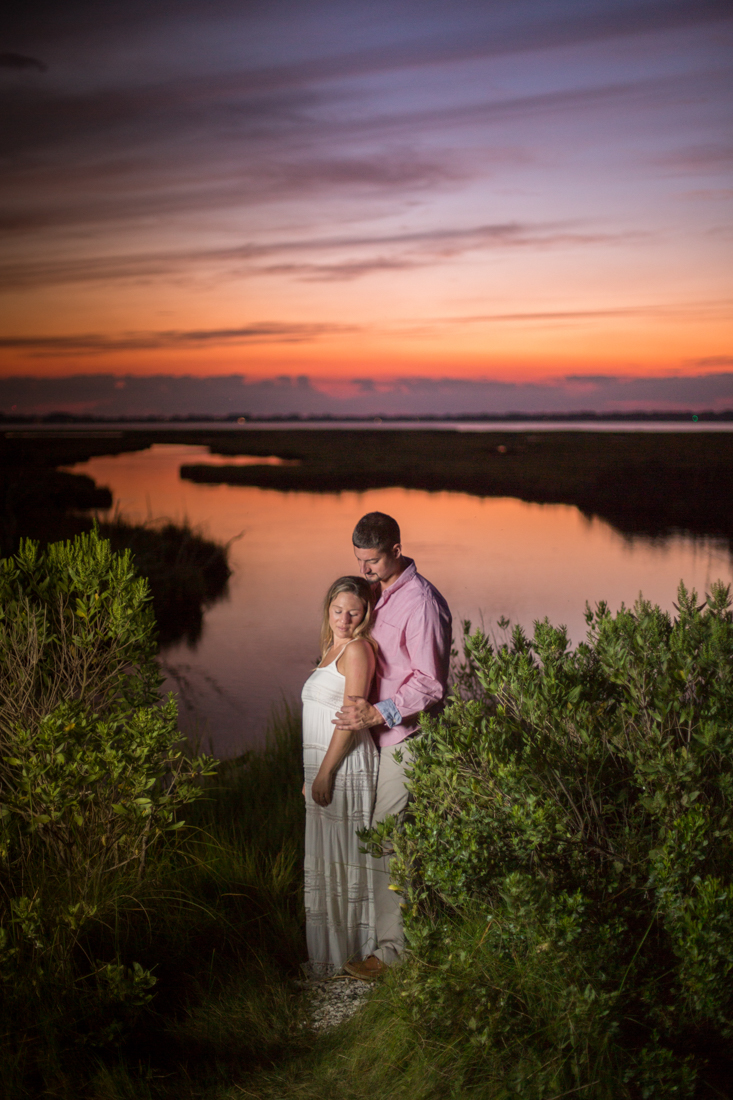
x=412, y=627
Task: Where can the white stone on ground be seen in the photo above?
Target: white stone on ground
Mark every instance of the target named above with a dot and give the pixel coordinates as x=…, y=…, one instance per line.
x=335, y=1000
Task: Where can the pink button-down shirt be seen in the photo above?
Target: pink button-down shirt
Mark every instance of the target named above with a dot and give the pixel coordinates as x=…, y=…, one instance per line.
x=412, y=627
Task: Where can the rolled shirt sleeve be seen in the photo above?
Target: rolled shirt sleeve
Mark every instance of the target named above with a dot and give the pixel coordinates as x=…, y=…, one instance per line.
x=389, y=712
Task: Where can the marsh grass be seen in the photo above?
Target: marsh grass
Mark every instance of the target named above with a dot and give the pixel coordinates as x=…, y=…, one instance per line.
x=218, y=921
x=544, y=1039
x=649, y=483
x=186, y=571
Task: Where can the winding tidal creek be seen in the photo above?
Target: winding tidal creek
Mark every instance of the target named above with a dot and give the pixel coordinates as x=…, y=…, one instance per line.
x=489, y=556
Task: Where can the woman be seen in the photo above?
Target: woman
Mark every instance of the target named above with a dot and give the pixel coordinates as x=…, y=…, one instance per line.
x=340, y=781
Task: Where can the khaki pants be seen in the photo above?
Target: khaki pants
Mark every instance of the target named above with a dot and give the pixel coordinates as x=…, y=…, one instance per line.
x=391, y=799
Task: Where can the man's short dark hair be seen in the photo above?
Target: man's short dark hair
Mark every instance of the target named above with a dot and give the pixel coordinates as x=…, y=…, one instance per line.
x=376, y=531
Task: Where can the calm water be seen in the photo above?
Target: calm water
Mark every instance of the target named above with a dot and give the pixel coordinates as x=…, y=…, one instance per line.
x=489, y=557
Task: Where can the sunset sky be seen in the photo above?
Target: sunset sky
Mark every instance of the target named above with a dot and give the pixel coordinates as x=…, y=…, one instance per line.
x=306, y=206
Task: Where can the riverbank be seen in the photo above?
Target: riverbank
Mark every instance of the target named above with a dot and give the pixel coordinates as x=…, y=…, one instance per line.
x=649, y=483
x=642, y=483
x=186, y=571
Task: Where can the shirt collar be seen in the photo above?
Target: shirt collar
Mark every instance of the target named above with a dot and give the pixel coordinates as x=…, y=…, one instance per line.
x=405, y=576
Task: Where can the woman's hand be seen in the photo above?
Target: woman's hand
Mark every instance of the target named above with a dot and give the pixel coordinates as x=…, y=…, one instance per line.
x=322, y=789
x=304, y=790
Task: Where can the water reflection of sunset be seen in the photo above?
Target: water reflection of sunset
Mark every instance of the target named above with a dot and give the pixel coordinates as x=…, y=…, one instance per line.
x=490, y=557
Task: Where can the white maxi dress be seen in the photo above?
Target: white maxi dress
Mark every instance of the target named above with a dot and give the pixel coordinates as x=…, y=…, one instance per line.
x=339, y=903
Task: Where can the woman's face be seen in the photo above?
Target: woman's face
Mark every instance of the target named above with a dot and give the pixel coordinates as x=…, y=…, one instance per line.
x=344, y=615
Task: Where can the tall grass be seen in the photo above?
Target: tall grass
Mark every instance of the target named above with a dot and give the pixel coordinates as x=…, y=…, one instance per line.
x=186, y=571
x=218, y=921
x=541, y=1039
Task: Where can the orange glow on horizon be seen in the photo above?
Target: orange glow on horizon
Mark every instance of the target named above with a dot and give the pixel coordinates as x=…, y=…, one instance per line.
x=535, y=353
x=512, y=196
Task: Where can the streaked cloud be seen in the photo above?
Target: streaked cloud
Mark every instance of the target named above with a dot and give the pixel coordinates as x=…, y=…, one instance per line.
x=660, y=310
x=265, y=148
x=698, y=158
x=95, y=343
x=714, y=361
x=500, y=184
x=410, y=249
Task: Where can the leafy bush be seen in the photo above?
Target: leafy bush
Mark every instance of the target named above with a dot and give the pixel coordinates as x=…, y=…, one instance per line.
x=568, y=867
x=92, y=772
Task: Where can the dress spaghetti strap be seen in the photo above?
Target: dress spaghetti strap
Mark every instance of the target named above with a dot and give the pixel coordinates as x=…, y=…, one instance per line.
x=339, y=655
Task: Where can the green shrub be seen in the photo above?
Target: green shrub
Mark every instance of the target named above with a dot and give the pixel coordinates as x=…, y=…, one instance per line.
x=567, y=870
x=92, y=771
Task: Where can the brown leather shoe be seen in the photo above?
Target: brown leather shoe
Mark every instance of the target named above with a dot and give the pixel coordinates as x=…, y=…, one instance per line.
x=368, y=970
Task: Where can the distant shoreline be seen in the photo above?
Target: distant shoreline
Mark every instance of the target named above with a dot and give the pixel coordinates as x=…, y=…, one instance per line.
x=67, y=424
x=650, y=478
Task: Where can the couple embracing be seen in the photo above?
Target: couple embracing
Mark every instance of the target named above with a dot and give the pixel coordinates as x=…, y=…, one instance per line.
x=385, y=652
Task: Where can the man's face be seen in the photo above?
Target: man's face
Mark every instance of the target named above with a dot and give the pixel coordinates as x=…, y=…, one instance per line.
x=379, y=566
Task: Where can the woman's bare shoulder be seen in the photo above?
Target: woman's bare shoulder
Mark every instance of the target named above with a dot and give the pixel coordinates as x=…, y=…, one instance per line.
x=357, y=652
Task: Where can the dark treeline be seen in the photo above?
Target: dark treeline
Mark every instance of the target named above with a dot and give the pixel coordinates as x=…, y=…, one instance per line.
x=653, y=416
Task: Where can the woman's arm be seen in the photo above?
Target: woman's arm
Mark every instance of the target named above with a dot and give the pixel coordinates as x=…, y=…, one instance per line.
x=357, y=663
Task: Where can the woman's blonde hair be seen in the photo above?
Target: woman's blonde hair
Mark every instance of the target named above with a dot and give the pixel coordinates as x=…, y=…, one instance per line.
x=364, y=592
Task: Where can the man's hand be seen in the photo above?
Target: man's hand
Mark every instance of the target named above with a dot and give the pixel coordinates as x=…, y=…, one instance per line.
x=359, y=714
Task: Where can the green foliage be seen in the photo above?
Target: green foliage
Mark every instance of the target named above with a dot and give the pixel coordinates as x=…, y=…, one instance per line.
x=92, y=771
x=566, y=870
x=196, y=993
x=75, y=623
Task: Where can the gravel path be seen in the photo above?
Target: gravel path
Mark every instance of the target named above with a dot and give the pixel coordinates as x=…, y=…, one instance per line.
x=335, y=1000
